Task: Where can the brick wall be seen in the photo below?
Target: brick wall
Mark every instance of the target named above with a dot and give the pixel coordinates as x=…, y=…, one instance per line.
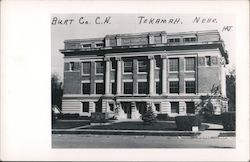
x=72, y=82
x=207, y=77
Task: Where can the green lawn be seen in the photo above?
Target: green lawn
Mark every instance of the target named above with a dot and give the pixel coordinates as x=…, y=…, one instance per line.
x=136, y=126
x=68, y=124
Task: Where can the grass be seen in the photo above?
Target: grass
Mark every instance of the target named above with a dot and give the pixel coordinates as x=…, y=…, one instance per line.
x=135, y=126
x=68, y=124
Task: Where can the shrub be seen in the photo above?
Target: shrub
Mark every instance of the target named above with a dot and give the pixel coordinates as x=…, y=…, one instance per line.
x=149, y=116
x=165, y=117
x=98, y=117
x=215, y=119
x=228, y=120
x=68, y=116
x=185, y=123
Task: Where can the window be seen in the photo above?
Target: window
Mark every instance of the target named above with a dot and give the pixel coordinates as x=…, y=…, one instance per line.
x=85, y=88
x=86, y=45
x=174, y=107
x=158, y=87
x=157, y=107
x=128, y=66
x=190, y=107
x=174, y=64
x=99, y=88
x=71, y=66
x=113, y=65
x=113, y=88
x=85, y=106
x=99, y=45
x=99, y=67
x=175, y=40
x=208, y=61
x=174, y=86
x=158, y=63
x=128, y=87
x=142, y=64
x=111, y=107
x=191, y=39
x=190, y=86
x=142, y=87
x=86, y=68
x=190, y=64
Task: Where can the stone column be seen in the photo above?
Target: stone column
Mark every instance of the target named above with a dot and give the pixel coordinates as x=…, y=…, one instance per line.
x=223, y=77
x=182, y=108
x=119, y=75
x=118, y=41
x=107, y=41
x=152, y=76
x=151, y=39
x=107, y=76
x=164, y=74
x=164, y=37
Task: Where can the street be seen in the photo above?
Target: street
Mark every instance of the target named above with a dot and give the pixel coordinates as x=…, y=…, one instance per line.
x=120, y=141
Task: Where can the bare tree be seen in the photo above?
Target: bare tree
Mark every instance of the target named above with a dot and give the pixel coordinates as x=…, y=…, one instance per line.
x=56, y=90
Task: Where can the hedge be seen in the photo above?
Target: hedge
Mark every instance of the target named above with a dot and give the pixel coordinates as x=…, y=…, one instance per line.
x=74, y=116
x=165, y=117
x=228, y=121
x=185, y=123
x=98, y=117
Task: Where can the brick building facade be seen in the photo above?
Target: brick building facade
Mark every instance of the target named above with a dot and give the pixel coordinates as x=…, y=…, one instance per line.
x=122, y=74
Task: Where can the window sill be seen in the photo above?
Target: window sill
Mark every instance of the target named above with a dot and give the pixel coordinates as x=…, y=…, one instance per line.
x=127, y=73
x=173, y=72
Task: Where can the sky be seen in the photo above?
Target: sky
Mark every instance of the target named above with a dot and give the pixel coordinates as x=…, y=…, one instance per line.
x=81, y=26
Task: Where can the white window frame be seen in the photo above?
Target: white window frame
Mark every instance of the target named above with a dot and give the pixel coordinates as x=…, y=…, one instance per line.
x=82, y=68
x=85, y=81
x=206, y=61
x=178, y=108
x=127, y=81
x=173, y=80
x=82, y=44
x=141, y=80
x=138, y=72
x=82, y=106
x=188, y=80
x=70, y=66
x=96, y=68
x=160, y=107
x=169, y=65
x=123, y=64
x=97, y=81
x=185, y=70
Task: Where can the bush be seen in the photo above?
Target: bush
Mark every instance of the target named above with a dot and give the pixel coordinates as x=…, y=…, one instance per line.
x=68, y=116
x=165, y=117
x=98, y=117
x=228, y=120
x=215, y=119
x=185, y=123
x=149, y=117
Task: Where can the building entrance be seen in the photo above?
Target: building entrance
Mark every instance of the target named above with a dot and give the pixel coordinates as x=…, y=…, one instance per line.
x=126, y=106
x=141, y=107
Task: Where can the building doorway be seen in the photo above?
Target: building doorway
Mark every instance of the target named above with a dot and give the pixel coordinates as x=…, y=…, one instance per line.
x=126, y=106
x=141, y=107
x=98, y=106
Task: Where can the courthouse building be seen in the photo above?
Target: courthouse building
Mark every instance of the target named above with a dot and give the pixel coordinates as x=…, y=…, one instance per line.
x=122, y=74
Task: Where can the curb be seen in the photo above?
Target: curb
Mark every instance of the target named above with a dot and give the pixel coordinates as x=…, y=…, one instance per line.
x=126, y=132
